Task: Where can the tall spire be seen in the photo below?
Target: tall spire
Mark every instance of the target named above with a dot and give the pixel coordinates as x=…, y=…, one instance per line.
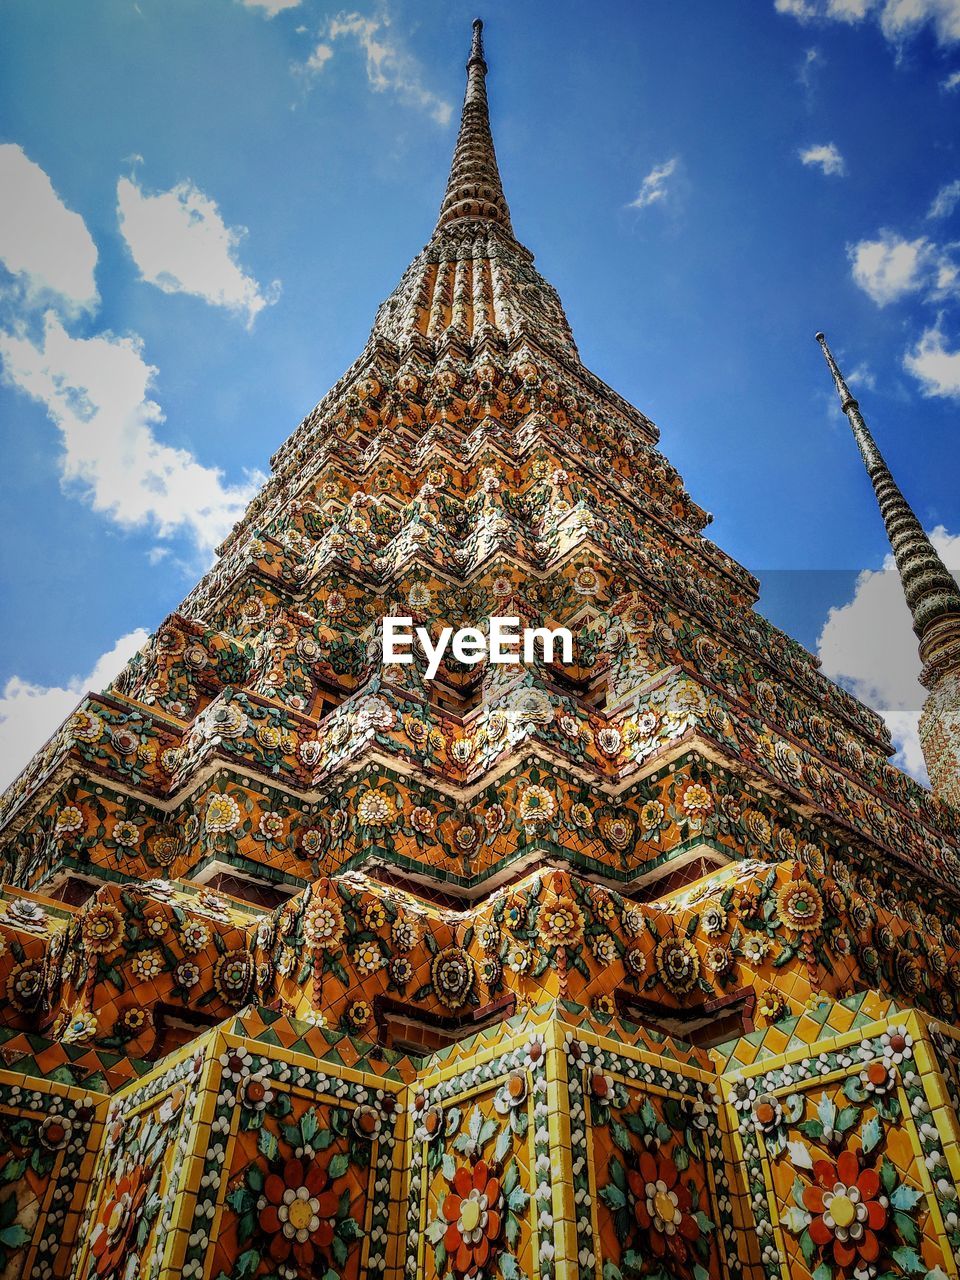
x=932, y=596
x=928, y=585
x=474, y=281
x=474, y=189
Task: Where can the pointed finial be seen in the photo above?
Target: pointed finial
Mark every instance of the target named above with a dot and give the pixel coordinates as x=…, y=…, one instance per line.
x=842, y=389
x=931, y=593
x=476, y=47
x=474, y=189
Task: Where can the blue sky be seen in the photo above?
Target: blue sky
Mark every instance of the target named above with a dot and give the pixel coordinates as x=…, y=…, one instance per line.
x=205, y=201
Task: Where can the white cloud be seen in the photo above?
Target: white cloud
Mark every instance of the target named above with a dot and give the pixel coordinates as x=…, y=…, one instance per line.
x=952, y=82
x=945, y=201
x=813, y=59
x=654, y=186
x=320, y=57
x=869, y=645
x=850, y=10
x=862, y=376
x=904, y=729
x=389, y=66
x=270, y=7
x=43, y=243
x=182, y=245
x=890, y=267
x=898, y=19
x=826, y=156
x=96, y=391
x=30, y=713
x=937, y=369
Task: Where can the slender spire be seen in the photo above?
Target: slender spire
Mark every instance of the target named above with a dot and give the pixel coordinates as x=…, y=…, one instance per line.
x=474, y=189
x=932, y=594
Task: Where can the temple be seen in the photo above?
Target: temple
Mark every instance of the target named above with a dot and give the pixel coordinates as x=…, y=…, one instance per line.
x=644, y=964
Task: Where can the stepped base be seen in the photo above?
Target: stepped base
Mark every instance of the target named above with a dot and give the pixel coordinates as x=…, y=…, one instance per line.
x=556, y=1144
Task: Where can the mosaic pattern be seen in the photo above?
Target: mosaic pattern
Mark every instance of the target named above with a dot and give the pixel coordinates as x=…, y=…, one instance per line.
x=846, y=1172
x=139, y=1175
x=481, y=1170
x=940, y=727
x=645, y=1147
x=639, y=966
x=243, y=1159
x=48, y=1134
x=121, y=973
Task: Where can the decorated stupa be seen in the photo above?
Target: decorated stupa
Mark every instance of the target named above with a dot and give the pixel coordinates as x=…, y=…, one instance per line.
x=637, y=961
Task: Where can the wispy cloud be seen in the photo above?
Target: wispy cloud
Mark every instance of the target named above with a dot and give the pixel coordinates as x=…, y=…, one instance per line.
x=43, y=244
x=813, y=60
x=945, y=201
x=30, y=713
x=825, y=157
x=868, y=644
x=952, y=82
x=654, y=187
x=181, y=244
x=936, y=368
x=891, y=267
x=897, y=19
x=389, y=66
x=862, y=375
x=270, y=8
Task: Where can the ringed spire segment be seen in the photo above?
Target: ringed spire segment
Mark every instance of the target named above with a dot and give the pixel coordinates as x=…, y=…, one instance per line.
x=474, y=189
x=931, y=592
